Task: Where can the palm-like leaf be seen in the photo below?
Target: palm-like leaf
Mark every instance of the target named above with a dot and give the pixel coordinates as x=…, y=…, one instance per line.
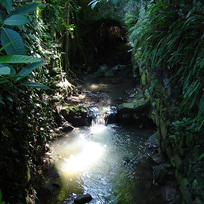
x=26, y=9
x=8, y=36
x=28, y=69
x=16, y=20
x=7, y=4
x=18, y=59
x=35, y=85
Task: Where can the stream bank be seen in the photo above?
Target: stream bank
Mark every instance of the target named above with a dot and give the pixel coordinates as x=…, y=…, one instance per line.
x=180, y=138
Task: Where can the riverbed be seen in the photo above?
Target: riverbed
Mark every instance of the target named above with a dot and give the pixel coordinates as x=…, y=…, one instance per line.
x=112, y=163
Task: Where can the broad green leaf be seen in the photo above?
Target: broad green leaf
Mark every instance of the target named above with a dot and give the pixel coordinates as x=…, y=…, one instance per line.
x=4, y=70
x=16, y=20
x=26, y=9
x=28, y=69
x=3, y=16
x=13, y=71
x=35, y=85
x=5, y=79
x=7, y=4
x=9, y=97
x=8, y=36
x=6, y=45
x=18, y=59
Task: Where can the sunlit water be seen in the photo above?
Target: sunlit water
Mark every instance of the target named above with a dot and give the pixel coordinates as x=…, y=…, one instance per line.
x=112, y=163
x=108, y=162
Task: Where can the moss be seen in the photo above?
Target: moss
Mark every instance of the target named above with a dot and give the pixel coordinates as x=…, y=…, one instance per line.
x=178, y=176
x=74, y=109
x=148, y=76
x=178, y=162
x=138, y=103
x=143, y=79
x=158, y=104
x=181, y=149
x=134, y=104
x=126, y=105
x=163, y=129
x=184, y=188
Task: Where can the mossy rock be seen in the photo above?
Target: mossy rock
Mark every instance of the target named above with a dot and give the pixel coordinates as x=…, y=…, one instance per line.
x=178, y=176
x=74, y=114
x=134, y=112
x=178, y=162
x=185, y=191
x=72, y=110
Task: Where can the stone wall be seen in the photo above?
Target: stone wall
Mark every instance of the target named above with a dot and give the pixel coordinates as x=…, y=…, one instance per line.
x=179, y=137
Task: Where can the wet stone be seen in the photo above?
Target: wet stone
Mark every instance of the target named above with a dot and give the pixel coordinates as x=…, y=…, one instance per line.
x=67, y=128
x=83, y=199
x=172, y=194
x=153, y=141
x=57, y=185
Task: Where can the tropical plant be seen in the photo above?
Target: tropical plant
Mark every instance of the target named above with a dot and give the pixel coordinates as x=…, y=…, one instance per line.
x=187, y=133
x=171, y=38
x=18, y=103
x=14, y=47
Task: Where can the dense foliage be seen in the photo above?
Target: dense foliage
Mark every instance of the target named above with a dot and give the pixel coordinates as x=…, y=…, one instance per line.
x=167, y=43
x=171, y=40
x=27, y=114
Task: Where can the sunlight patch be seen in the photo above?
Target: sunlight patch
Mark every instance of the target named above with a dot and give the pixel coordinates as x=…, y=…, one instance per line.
x=97, y=128
x=78, y=162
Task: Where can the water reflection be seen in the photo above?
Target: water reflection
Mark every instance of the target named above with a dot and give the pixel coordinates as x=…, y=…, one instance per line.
x=78, y=155
x=105, y=161
x=98, y=128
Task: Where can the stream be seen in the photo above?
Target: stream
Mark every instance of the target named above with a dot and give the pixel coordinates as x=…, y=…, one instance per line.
x=109, y=162
x=112, y=163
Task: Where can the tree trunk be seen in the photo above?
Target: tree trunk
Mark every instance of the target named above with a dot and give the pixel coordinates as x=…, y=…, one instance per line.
x=65, y=59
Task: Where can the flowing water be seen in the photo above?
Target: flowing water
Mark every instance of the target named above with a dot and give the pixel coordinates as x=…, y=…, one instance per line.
x=111, y=163
x=108, y=162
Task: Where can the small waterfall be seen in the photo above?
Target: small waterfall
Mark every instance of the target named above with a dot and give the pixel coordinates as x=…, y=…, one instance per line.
x=106, y=116
x=96, y=116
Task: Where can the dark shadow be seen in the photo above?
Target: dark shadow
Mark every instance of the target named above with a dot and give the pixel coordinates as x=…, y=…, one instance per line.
x=105, y=42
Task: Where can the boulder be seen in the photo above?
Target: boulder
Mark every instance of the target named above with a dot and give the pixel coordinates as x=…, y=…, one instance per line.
x=163, y=173
x=110, y=116
x=134, y=112
x=74, y=114
x=67, y=128
x=83, y=199
x=153, y=141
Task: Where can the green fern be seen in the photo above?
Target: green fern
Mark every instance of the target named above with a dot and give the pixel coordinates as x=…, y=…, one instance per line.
x=173, y=37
